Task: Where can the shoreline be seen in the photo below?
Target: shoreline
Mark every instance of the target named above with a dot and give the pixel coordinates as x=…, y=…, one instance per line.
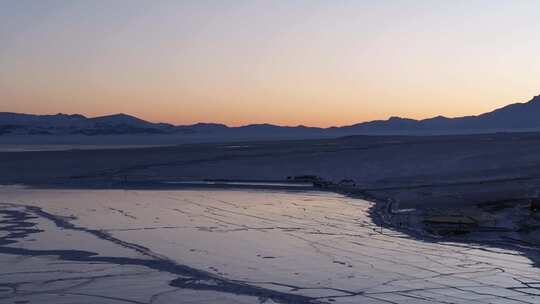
x=382, y=211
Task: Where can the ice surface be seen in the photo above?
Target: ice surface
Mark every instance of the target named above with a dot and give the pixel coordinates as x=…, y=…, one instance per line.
x=235, y=246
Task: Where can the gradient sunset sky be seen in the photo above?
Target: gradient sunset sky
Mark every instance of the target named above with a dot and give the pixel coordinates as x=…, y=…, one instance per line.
x=317, y=63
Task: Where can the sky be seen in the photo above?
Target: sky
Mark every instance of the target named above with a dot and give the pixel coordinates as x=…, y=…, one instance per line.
x=316, y=63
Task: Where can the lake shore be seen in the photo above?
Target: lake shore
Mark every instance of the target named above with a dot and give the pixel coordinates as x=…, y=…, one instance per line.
x=235, y=246
x=473, y=191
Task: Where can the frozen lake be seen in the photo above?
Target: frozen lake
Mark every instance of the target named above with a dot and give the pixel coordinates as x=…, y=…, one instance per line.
x=235, y=246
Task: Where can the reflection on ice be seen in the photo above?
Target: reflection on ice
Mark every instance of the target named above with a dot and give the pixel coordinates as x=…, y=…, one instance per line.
x=243, y=183
x=235, y=246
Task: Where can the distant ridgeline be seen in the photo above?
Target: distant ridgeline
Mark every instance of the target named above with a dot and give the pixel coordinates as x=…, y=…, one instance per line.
x=514, y=117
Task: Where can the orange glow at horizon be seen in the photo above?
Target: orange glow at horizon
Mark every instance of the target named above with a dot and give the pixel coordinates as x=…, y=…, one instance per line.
x=304, y=63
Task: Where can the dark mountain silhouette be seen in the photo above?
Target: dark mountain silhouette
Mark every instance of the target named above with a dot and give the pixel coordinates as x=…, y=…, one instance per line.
x=514, y=117
x=63, y=124
x=121, y=119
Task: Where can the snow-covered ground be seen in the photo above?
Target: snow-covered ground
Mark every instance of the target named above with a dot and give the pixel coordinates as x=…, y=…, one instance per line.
x=431, y=170
x=235, y=246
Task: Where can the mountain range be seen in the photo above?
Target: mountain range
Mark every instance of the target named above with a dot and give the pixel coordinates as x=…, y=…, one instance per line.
x=514, y=117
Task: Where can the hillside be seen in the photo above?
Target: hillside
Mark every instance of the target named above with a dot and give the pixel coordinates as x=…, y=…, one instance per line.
x=512, y=118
